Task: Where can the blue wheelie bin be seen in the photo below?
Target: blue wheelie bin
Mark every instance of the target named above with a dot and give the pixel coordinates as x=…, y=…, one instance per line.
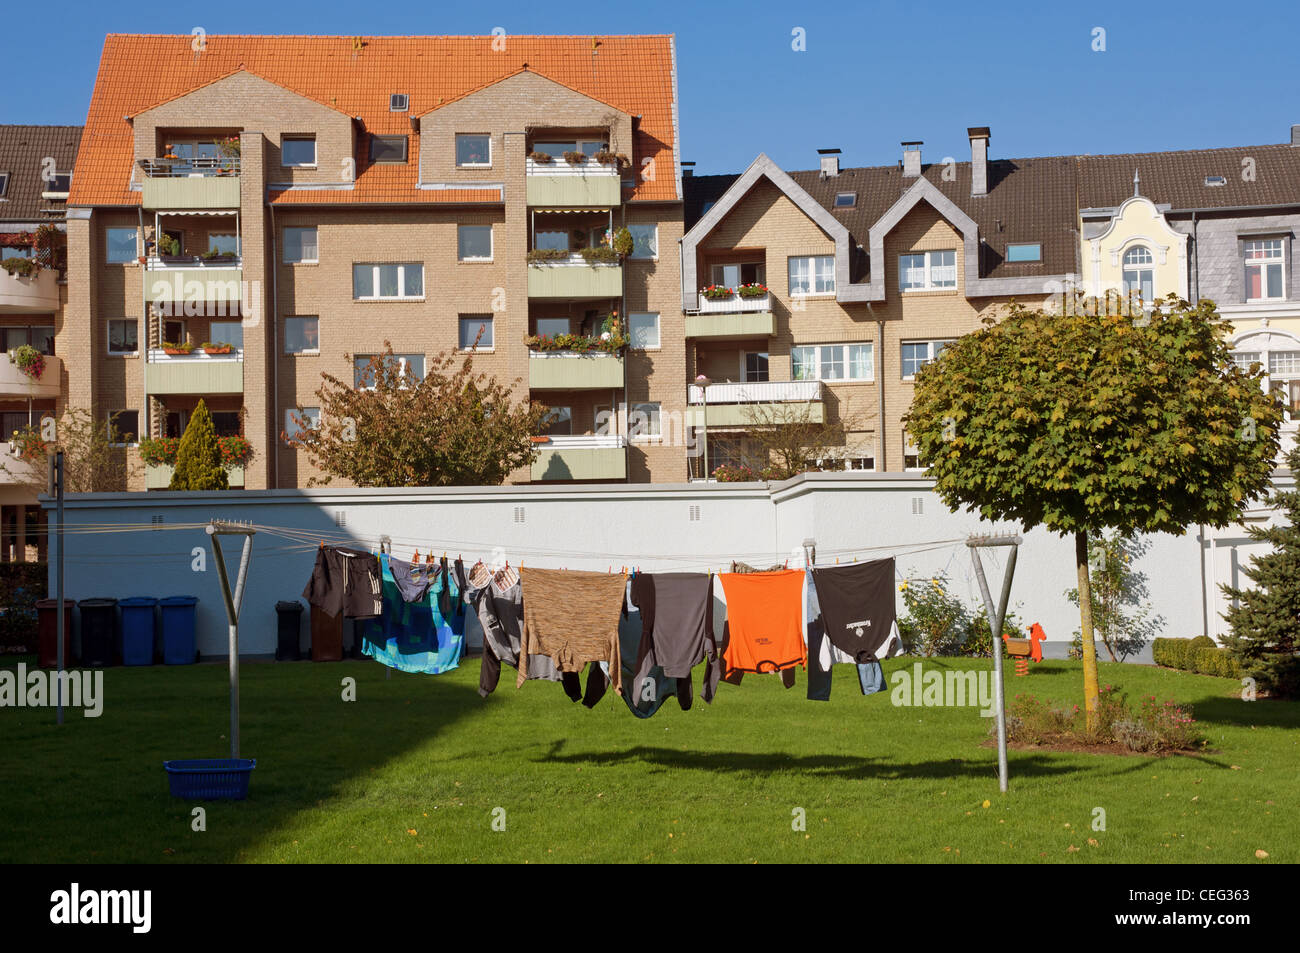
x=138, y=630
x=179, y=647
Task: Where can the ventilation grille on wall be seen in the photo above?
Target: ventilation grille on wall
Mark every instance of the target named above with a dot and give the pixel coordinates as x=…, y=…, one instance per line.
x=695, y=513
x=519, y=514
x=918, y=505
x=340, y=517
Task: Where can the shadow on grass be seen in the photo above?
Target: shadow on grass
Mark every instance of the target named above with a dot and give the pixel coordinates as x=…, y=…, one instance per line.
x=837, y=766
x=1224, y=710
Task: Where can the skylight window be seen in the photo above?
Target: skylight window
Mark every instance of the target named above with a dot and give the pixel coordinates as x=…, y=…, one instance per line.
x=1026, y=252
x=846, y=199
x=1216, y=180
x=398, y=102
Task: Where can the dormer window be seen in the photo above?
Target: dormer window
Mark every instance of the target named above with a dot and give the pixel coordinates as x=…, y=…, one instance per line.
x=1265, y=260
x=398, y=103
x=388, y=148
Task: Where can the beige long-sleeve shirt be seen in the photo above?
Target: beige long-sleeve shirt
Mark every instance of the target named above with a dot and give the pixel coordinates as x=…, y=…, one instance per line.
x=572, y=616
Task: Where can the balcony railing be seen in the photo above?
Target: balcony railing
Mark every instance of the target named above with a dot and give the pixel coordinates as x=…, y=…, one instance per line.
x=582, y=441
x=162, y=168
x=570, y=370
x=186, y=262
x=15, y=382
x=734, y=304
x=562, y=167
x=755, y=392
x=581, y=457
x=574, y=277
x=194, y=373
x=37, y=293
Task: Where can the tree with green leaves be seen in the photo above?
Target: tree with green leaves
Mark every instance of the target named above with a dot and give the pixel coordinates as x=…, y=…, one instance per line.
x=95, y=458
x=451, y=427
x=198, y=458
x=1265, y=619
x=1080, y=422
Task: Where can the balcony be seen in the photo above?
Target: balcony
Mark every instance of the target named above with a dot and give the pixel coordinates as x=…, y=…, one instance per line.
x=195, y=373
x=38, y=294
x=24, y=473
x=581, y=458
x=574, y=278
x=586, y=184
x=175, y=281
x=569, y=370
x=190, y=183
x=15, y=383
x=158, y=477
x=737, y=404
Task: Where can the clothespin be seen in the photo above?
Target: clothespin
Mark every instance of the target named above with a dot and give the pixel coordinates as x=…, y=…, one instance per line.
x=416, y=557
x=322, y=544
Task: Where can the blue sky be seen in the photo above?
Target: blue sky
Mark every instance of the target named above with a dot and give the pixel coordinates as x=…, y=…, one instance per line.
x=1173, y=75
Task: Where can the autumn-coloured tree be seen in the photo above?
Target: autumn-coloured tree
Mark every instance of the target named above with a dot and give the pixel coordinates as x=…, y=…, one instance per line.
x=451, y=427
x=1077, y=422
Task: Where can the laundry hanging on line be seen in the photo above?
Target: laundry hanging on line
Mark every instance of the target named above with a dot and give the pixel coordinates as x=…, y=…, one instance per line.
x=414, y=636
x=345, y=580
x=849, y=617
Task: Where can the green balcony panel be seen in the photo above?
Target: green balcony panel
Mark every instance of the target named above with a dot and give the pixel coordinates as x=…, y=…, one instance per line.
x=179, y=375
x=196, y=192
x=564, y=370
x=566, y=280
x=158, y=477
x=574, y=190
x=581, y=463
x=751, y=414
x=729, y=326
x=198, y=285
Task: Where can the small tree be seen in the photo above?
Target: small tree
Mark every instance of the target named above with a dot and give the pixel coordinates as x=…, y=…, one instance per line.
x=1121, y=614
x=1265, y=619
x=792, y=438
x=198, y=459
x=452, y=427
x=1079, y=422
x=94, y=454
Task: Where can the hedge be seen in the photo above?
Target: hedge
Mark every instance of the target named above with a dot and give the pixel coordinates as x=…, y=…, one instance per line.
x=1199, y=655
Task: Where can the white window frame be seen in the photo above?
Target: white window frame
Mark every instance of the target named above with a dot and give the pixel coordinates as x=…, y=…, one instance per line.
x=108, y=247
x=302, y=317
x=933, y=347
x=1262, y=264
x=537, y=326
x=553, y=415
x=472, y=165
x=401, y=281
x=108, y=341
x=812, y=266
x=654, y=241
x=298, y=137
x=486, y=319
x=929, y=267
x=307, y=411
x=491, y=244
x=744, y=366
x=1138, y=269
x=285, y=252
x=844, y=360
x=1025, y=261
x=658, y=330
x=551, y=231
x=402, y=364
x=657, y=435
x=910, y=445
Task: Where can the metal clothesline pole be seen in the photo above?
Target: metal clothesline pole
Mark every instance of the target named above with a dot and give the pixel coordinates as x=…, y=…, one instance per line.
x=975, y=543
x=216, y=529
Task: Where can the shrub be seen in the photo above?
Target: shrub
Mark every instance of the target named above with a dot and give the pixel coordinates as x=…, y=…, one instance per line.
x=159, y=451
x=575, y=158
x=547, y=254
x=728, y=473
x=29, y=360
x=22, y=267
x=540, y=157
x=604, y=157
x=717, y=292
x=604, y=256
x=937, y=622
x=198, y=458
x=1154, y=727
x=752, y=290
x=623, y=243
x=1202, y=642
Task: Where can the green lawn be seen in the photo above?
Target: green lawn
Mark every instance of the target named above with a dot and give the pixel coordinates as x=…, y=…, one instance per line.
x=414, y=769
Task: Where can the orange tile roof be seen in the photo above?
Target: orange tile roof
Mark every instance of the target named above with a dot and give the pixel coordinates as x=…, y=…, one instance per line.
x=137, y=72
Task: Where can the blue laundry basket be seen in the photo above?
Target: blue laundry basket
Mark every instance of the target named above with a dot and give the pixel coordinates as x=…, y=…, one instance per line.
x=210, y=779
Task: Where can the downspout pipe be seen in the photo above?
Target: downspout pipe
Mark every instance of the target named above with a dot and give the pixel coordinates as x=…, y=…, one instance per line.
x=275, y=356
x=880, y=396
x=146, y=425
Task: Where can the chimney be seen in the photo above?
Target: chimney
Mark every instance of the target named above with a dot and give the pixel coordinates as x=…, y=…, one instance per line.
x=979, y=160
x=912, y=159
x=1295, y=135
x=830, y=162
x=688, y=169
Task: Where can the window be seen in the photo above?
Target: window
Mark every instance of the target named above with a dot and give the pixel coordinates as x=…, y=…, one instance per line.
x=1284, y=362
x=7, y=252
x=559, y=422
x=298, y=151
x=861, y=453
x=377, y=282
x=1137, y=278
x=127, y=424
x=644, y=421
x=1032, y=252
x=4, y=183
x=1289, y=393
x=645, y=241
x=223, y=244
x=302, y=335
x=310, y=417
x=475, y=332
x=1244, y=359
x=916, y=354
x=911, y=455
x=1216, y=180
x=388, y=148
x=174, y=331
x=226, y=332
x=40, y=337
x=300, y=245
x=927, y=271
x=398, y=103
x=833, y=362
x=226, y=423
x=556, y=150
x=755, y=369
x=121, y=245
x=473, y=150
x=58, y=184
x=558, y=240
x=122, y=336
x=846, y=199
x=1264, y=270
x=812, y=276
x=410, y=367
x=643, y=328
x=743, y=273
x=474, y=242
x=549, y=327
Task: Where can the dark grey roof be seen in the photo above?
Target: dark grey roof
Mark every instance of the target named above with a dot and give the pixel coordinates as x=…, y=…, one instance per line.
x=1254, y=176
x=23, y=151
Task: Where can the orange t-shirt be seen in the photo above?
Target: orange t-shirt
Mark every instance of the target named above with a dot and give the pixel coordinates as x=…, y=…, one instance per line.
x=764, y=621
